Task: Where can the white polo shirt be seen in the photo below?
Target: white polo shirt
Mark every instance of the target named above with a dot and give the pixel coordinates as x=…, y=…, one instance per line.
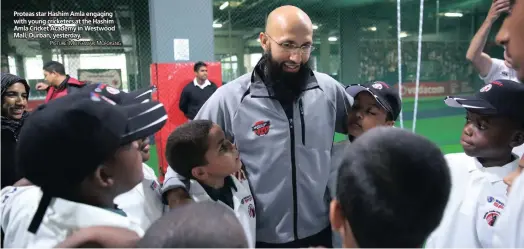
x=61, y=219
x=499, y=71
x=143, y=204
x=477, y=198
x=243, y=202
x=509, y=230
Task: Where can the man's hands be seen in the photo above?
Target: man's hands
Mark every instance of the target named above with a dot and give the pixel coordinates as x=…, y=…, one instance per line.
x=41, y=86
x=497, y=8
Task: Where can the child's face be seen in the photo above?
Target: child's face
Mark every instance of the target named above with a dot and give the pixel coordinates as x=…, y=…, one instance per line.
x=222, y=157
x=124, y=170
x=509, y=179
x=340, y=224
x=488, y=137
x=366, y=114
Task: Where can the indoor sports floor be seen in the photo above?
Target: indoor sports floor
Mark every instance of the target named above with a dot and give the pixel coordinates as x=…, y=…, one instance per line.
x=436, y=121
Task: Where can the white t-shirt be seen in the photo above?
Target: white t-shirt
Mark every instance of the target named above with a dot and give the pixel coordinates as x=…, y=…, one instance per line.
x=477, y=198
x=61, y=219
x=509, y=230
x=499, y=71
x=143, y=204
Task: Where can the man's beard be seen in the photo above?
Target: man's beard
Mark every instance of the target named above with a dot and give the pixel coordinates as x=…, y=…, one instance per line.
x=286, y=86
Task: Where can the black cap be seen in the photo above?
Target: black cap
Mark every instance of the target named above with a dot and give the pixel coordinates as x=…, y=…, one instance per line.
x=385, y=95
x=118, y=96
x=500, y=97
x=64, y=141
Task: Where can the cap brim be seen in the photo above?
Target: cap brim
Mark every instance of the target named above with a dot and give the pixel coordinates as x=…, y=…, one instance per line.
x=354, y=90
x=470, y=102
x=144, y=119
x=139, y=96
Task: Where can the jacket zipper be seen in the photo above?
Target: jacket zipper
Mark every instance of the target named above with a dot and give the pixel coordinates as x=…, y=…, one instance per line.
x=293, y=176
x=302, y=124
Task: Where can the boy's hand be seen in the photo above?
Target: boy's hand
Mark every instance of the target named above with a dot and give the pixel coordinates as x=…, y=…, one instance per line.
x=240, y=175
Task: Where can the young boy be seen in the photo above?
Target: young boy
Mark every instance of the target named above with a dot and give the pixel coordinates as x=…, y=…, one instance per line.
x=97, y=160
x=199, y=151
x=494, y=126
x=205, y=224
x=392, y=190
x=376, y=104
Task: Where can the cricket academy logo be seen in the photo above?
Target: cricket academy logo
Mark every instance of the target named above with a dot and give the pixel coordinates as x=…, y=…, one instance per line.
x=261, y=128
x=251, y=210
x=491, y=217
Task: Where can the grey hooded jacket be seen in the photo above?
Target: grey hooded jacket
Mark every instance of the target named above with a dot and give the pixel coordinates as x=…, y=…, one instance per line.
x=287, y=156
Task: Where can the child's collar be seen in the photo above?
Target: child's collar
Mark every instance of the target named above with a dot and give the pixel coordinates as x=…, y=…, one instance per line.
x=497, y=173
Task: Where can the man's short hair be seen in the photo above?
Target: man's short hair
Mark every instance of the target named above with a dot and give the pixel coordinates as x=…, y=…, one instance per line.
x=204, y=224
x=54, y=67
x=187, y=146
x=198, y=65
x=393, y=187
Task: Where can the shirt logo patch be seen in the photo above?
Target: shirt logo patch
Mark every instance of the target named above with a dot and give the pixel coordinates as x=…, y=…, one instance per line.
x=498, y=204
x=251, y=210
x=504, y=73
x=490, y=199
x=246, y=199
x=491, y=217
x=261, y=128
x=154, y=185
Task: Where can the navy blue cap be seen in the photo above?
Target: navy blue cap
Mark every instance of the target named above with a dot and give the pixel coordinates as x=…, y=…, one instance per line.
x=62, y=142
x=500, y=98
x=385, y=95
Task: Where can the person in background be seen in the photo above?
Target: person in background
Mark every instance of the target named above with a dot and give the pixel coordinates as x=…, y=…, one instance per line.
x=15, y=92
x=59, y=83
x=510, y=227
x=196, y=92
x=491, y=69
x=494, y=126
x=196, y=225
x=392, y=190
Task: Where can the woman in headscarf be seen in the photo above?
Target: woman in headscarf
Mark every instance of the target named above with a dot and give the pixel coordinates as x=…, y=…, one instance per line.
x=15, y=92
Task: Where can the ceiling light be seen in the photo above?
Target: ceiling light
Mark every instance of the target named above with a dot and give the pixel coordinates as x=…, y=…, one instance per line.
x=258, y=39
x=217, y=25
x=315, y=26
x=453, y=14
x=373, y=28
x=403, y=34
x=332, y=38
x=224, y=5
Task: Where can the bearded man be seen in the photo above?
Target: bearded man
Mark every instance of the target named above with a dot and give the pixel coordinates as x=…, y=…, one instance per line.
x=282, y=118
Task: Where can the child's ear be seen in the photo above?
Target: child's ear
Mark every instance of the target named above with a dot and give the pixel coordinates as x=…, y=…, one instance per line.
x=390, y=123
x=103, y=176
x=335, y=215
x=518, y=139
x=198, y=172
